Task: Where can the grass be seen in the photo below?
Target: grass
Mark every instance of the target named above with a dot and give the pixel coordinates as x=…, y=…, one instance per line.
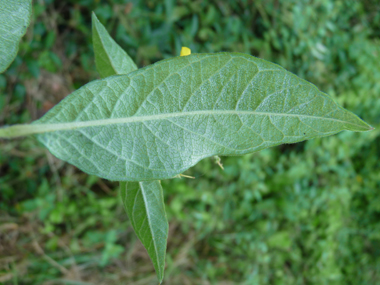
x=306, y=213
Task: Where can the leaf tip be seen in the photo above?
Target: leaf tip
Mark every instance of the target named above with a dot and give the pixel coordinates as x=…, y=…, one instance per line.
x=356, y=124
x=93, y=16
x=95, y=20
x=366, y=127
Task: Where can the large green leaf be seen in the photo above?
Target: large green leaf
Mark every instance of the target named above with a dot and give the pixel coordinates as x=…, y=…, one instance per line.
x=144, y=203
x=158, y=121
x=14, y=21
x=110, y=58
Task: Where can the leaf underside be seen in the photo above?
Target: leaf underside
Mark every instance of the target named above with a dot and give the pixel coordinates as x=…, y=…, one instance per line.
x=110, y=58
x=145, y=206
x=14, y=21
x=158, y=121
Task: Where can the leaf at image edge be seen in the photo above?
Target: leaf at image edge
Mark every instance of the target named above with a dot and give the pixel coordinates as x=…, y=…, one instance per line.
x=110, y=58
x=144, y=204
x=14, y=21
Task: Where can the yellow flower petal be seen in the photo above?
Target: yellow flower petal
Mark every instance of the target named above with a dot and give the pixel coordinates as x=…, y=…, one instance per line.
x=185, y=51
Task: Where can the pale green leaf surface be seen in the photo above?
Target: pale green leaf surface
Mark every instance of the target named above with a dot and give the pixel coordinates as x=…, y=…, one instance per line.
x=158, y=121
x=110, y=58
x=14, y=21
x=144, y=203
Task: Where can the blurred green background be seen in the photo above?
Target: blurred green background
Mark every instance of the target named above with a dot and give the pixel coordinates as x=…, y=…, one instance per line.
x=307, y=213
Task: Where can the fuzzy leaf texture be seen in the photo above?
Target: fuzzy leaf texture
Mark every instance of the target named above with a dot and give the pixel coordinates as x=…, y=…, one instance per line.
x=144, y=203
x=158, y=121
x=110, y=58
x=14, y=21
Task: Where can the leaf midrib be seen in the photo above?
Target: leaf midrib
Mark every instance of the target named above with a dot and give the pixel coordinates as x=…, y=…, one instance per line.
x=46, y=127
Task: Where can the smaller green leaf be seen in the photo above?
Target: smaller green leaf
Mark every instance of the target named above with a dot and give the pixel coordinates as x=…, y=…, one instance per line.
x=110, y=58
x=14, y=21
x=144, y=203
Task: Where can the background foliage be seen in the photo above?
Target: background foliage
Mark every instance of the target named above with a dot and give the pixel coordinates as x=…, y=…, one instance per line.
x=307, y=213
